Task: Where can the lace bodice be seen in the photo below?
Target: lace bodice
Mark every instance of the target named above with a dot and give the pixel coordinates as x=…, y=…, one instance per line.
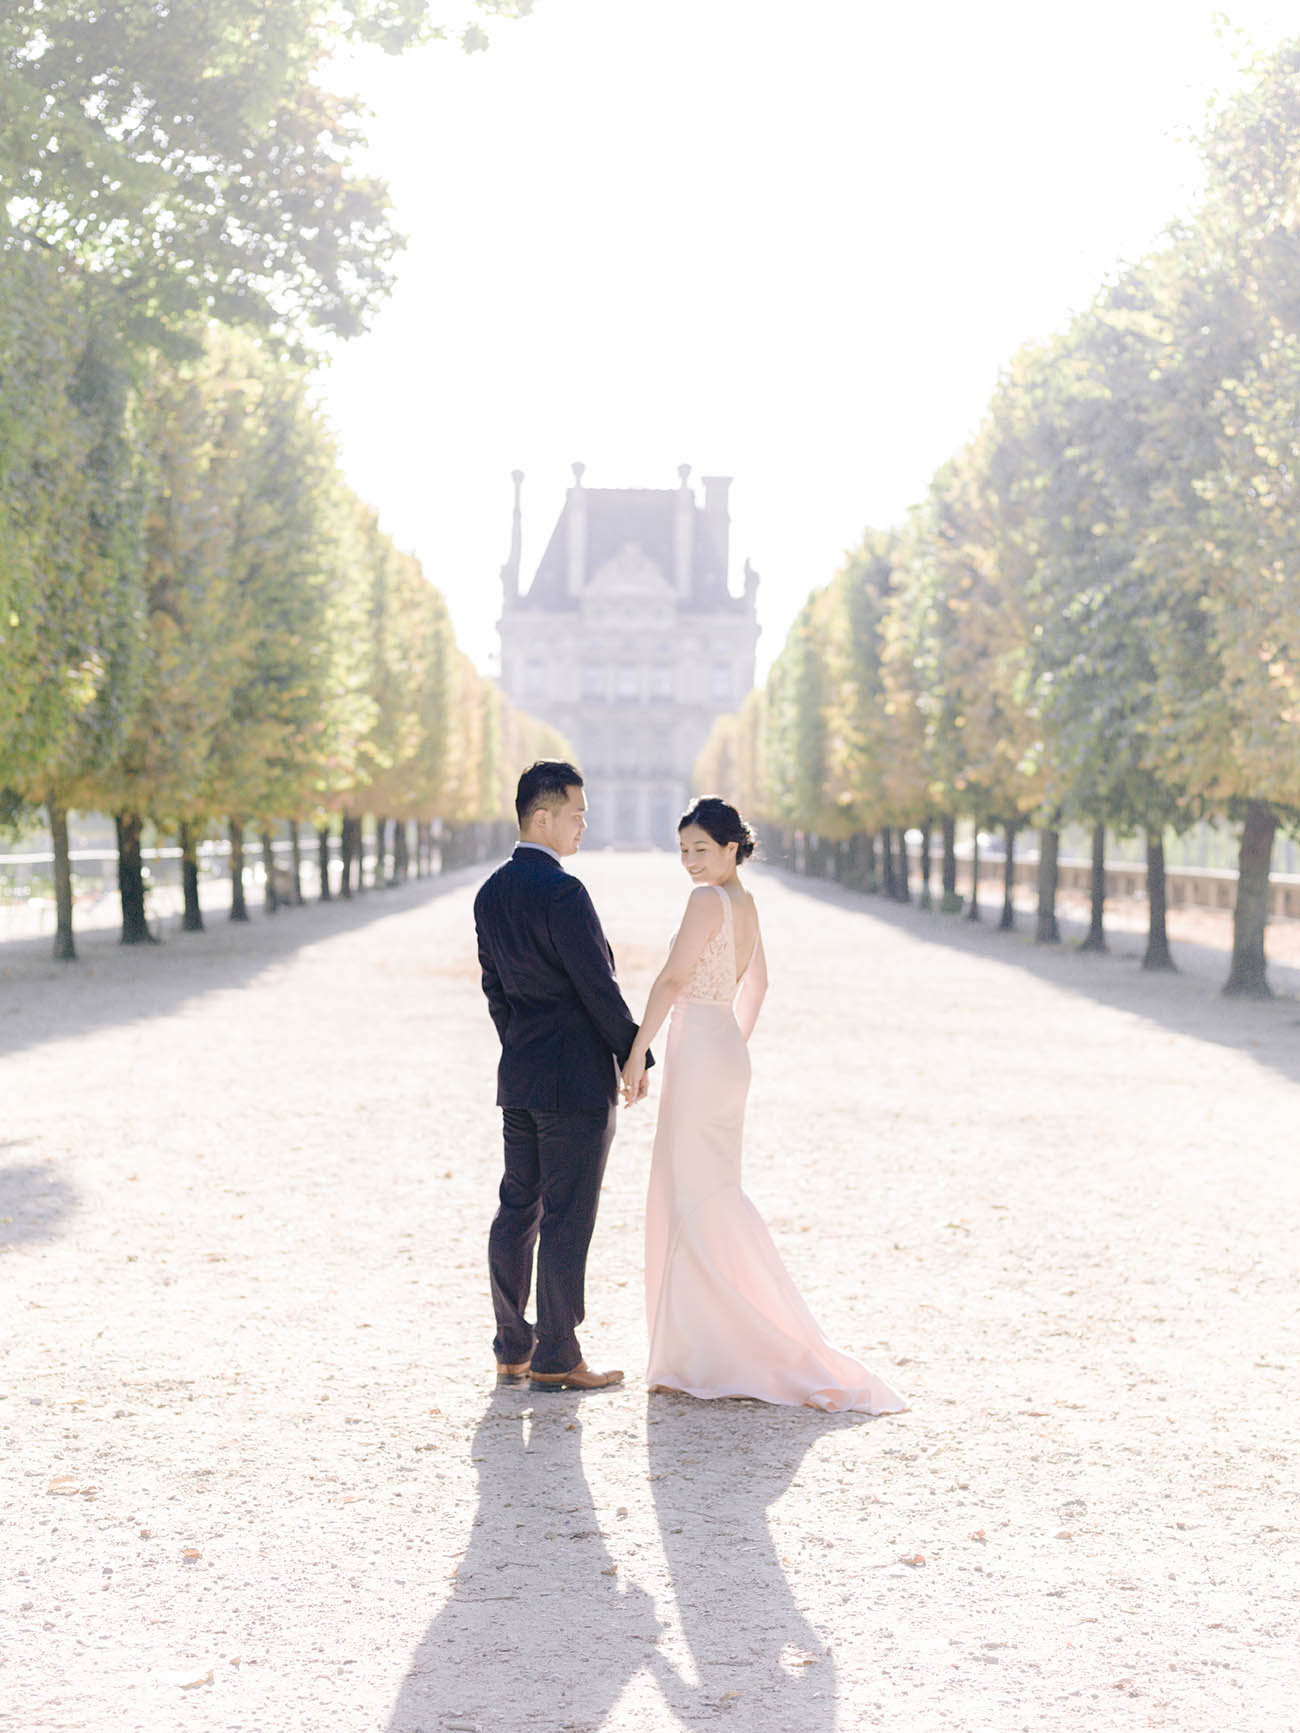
x=714, y=974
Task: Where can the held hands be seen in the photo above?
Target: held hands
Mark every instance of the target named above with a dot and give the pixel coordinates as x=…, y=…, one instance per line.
x=636, y=1083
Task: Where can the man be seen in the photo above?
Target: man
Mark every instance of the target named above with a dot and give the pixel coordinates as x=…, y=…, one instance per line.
x=565, y=1034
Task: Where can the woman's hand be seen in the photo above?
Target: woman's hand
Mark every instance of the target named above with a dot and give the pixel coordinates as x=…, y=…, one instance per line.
x=636, y=1084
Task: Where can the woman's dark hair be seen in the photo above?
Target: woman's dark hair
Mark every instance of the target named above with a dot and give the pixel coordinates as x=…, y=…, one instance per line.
x=722, y=822
x=546, y=783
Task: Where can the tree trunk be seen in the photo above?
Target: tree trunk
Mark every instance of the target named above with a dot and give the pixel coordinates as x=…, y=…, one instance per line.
x=1157, y=951
x=271, y=897
x=870, y=878
x=345, y=856
x=381, y=852
x=1047, y=932
x=950, y=902
x=902, y=874
x=1096, y=939
x=973, y=912
x=238, y=907
x=887, y=860
x=65, y=949
x=927, y=836
x=323, y=861
x=401, y=852
x=192, y=919
x=130, y=879
x=1248, y=978
x=295, y=843
x=1008, y=920
x=359, y=841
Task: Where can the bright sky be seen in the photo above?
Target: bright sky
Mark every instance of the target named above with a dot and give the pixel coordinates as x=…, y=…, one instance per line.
x=791, y=243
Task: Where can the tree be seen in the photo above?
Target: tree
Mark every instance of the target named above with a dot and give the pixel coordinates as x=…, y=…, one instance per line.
x=73, y=600
x=875, y=749
x=271, y=752
x=186, y=159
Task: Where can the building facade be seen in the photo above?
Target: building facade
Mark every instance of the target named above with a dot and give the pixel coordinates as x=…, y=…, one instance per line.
x=630, y=641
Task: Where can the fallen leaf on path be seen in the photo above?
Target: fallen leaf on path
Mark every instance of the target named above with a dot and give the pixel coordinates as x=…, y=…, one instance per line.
x=911, y=1558
x=190, y=1553
x=977, y=1534
x=63, y=1484
x=195, y=1683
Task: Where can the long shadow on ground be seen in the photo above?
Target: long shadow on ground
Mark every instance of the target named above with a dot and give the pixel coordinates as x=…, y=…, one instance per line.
x=542, y=1630
x=1188, y=1002
x=752, y=1649
x=110, y=984
x=34, y=1203
x=539, y=1631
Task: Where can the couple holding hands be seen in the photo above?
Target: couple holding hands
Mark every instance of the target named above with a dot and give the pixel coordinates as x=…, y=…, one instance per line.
x=723, y=1315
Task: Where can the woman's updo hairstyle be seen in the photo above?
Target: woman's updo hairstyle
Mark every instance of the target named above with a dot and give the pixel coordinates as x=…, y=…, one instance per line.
x=722, y=822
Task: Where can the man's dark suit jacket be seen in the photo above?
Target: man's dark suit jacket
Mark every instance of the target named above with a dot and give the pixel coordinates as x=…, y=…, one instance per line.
x=548, y=973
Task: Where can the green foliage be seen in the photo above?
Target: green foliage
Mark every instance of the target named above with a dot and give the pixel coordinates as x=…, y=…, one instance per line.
x=186, y=161
x=71, y=597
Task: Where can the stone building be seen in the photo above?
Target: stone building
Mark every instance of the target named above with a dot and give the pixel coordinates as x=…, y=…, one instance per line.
x=630, y=641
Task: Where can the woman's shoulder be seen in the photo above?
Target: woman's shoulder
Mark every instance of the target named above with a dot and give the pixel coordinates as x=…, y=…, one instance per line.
x=703, y=901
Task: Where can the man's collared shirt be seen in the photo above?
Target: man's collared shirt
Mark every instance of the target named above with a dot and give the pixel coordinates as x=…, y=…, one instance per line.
x=544, y=849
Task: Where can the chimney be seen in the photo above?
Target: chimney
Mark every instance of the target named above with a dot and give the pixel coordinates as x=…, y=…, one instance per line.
x=576, y=506
x=683, y=532
x=510, y=571
x=717, y=516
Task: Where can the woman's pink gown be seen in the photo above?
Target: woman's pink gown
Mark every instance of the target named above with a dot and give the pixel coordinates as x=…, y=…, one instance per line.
x=724, y=1317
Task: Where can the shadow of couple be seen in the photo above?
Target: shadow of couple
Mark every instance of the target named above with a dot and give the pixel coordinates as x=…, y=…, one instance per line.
x=543, y=1632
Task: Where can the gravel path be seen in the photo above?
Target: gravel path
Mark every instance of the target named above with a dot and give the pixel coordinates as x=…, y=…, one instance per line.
x=256, y=1476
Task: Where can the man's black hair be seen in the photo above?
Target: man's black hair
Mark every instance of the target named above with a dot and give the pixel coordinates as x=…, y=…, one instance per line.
x=546, y=783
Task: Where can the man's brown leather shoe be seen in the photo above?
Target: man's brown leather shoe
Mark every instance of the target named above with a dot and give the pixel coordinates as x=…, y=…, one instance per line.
x=581, y=1378
x=515, y=1374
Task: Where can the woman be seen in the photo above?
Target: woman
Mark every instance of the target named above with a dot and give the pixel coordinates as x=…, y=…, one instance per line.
x=725, y=1319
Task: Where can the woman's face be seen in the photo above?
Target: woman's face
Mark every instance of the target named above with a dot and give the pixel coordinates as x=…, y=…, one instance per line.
x=708, y=862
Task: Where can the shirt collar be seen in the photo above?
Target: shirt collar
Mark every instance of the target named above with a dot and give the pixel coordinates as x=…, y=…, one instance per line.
x=542, y=848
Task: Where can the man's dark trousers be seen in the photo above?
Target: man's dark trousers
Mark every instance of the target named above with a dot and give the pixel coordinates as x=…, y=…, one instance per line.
x=548, y=974
x=554, y=1165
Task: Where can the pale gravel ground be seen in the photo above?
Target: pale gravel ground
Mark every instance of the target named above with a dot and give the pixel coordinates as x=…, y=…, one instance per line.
x=249, y=1176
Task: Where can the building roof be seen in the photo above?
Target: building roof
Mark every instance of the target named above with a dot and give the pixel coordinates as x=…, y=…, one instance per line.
x=644, y=517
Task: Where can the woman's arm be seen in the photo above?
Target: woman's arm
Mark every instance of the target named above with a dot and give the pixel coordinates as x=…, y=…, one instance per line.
x=753, y=990
x=702, y=919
